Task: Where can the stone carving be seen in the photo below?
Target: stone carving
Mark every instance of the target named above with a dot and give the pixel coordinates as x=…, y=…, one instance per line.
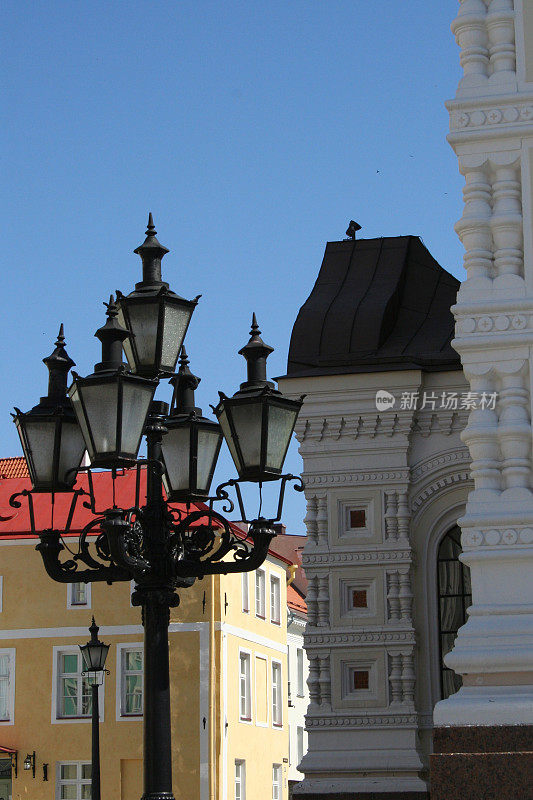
x=323, y=601
x=366, y=556
x=437, y=486
x=391, y=519
x=435, y=463
x=369, y=720
x=325, y=683
x=493, y=537
x=485, y=34
x=354, y=477
x=367, y=638
x=310, y=520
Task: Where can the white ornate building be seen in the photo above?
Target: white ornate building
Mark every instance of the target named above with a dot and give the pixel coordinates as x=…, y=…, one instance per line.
x=384, y=489
x=492, y=135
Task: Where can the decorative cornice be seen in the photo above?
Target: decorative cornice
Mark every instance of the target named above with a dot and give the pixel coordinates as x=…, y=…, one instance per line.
x=344, y=721
x=368, y=556
x=369, y=476
x=368, y=638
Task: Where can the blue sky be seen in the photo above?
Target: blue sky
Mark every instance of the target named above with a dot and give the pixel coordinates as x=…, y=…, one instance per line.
x=253, y=131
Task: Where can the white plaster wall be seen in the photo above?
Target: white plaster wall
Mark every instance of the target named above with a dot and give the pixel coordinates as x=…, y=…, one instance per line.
x=410, y=471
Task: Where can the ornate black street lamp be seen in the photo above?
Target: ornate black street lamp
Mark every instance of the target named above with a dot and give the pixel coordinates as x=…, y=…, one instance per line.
x=160, y=547
x=94, y=655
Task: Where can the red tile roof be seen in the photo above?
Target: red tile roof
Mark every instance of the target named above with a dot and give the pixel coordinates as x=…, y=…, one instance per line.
x=13, y=468
x=291, y=546
x=15, y=522
x=295, y=601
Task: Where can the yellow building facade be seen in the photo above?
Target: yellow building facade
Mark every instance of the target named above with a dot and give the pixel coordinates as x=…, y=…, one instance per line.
x=228, y=668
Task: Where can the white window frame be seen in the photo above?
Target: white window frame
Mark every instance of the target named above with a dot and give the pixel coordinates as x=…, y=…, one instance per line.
x=79, y=782
x=260, y=593
x=257, y=687
x=276, y=694
x=10, y=653
x=299, y=744
x=300, y=672
x=122, y=714
x=245, y=656
x=275, y=601
x=57, y=652
x=240, y=779
x=71, y=603
x=245, y=592
x=277, y=782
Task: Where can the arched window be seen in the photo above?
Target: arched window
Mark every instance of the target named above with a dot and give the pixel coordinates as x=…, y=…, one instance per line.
x=455, y=595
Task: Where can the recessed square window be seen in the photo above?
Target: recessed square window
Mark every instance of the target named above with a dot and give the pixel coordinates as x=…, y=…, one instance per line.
x=359, y=598
x=361, y=679
x=357, y=518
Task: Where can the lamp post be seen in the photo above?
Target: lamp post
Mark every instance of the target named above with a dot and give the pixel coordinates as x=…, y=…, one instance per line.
x=158, y=546
x=94, y=654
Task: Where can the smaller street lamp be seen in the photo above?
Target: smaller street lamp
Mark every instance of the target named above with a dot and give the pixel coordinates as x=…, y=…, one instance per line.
x=50, y=435
x=29, y=762
x=157, y=317
x=192, y=444
x=112, y=404
x=94, y=654
x=258, y=421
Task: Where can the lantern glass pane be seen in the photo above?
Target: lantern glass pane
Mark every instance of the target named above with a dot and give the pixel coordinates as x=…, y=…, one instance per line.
x=176, y=319
x=40, y=435
x=280, y=424
x=247, y=419
x=226, y=430
x=136, y=399
x=78, y=408
x=101, y=403
x=207, y=450
x=71, y=452
x=144, y=319
x=176, y=452
x=126, y=344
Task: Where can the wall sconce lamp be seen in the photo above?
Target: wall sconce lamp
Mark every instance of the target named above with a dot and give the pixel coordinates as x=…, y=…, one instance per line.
x=29, y=762
x=45, y=772
x=14, y=763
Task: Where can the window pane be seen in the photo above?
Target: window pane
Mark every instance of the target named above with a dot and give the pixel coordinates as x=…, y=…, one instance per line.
x=69, y=791
x=454, y=598
x=4, y=665
x=86, y=771
x=69, y=772
x=69, y=662
x=134, y=660
x=86, y=791
x=4, y=686
x=134, y=694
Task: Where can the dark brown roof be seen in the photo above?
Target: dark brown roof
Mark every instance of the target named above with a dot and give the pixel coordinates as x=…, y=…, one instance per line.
x=377, y=304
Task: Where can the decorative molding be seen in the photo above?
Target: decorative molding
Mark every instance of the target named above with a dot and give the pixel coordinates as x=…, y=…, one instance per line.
x=370, y=638
x=422, y=468
x=368, y=557
x=482, y=324
x=369, y=720
x=494, y=537
x=437, y=486
x=491, y=115
x=369, y=476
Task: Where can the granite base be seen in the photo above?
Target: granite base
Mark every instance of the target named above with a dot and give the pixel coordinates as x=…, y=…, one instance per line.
x=482, y=763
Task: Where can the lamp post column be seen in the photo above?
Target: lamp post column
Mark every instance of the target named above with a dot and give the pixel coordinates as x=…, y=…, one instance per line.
x=95, y=749
x=156, y=597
